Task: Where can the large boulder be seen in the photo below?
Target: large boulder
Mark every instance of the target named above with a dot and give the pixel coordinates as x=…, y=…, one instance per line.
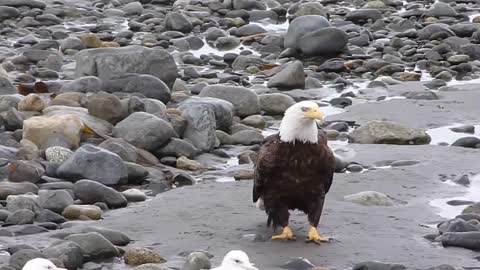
x=68, y=252
x=94, y=246
x=386, y=132
x=107, y=62
x=94, y=163
x=290, y=77
x=244, y=100
x=224, y=110
x=178, y=22
x=275, y=104
x=10, y=188
x=58, y=130
x=200, y=129
x=54, y=200
x=301, y=26
x=144, y=130
x=363, y=15
x=325, y=41
x=147, y=85
x=91, y=192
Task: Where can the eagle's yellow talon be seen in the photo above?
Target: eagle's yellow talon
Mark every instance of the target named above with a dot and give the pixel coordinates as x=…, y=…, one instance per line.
x=287, y=234
x=313, y=236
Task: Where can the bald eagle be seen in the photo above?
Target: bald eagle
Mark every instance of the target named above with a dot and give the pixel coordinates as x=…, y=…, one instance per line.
x=294, y=170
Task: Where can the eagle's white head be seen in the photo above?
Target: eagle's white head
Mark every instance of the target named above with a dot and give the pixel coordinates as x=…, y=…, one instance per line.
x=40, y=264
x=237, y=260
x=299, y=122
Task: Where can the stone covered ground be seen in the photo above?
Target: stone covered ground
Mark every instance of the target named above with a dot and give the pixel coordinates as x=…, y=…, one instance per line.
x=130, y=129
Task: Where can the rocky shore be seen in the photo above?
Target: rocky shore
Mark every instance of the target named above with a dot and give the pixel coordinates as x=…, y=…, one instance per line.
x=130, y=130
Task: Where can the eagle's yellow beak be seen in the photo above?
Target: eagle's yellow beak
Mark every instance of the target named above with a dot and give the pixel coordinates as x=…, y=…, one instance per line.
x=314, y=113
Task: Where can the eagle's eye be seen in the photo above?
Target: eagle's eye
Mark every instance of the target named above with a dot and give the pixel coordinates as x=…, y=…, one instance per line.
x=305, y=109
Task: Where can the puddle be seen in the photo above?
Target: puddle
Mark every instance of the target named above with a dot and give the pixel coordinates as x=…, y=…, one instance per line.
x=472, y=194
x=445, y=135
x=207, y=49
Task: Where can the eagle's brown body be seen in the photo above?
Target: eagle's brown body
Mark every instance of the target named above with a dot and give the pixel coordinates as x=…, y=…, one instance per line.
x=292, y=176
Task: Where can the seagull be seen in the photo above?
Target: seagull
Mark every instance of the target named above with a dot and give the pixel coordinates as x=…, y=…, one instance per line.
x=40, y=264
x=235, y=260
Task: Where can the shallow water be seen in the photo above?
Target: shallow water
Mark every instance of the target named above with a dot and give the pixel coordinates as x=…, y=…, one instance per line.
x=445, y=135
x=472, y=194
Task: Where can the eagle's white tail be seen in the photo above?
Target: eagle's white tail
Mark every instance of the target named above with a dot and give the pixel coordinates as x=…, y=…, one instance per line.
x=260, y=205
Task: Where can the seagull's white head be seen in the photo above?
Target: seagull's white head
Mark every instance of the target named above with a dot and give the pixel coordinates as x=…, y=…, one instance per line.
x=237, y=260
x=40, y=264
x=299, y=123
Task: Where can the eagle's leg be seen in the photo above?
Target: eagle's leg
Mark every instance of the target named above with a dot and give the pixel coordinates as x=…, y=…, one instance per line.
x=280, y=217
x=314, y=213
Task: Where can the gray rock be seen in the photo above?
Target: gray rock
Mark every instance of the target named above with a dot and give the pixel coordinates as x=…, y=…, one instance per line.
x=14, y=248
x=178, y=147
x=247, y=137
x=428, y=31
x=370, y=198
x=69, y=253
x=200, y=128
x=136, y=173
x=92, y=192
x=25, y=171
x=20, y=217
x=462, y=179
x=456, y=225
x=85, y=84
x=9, y=188
x=469, y=240
x=363, y=15
x=152, y=266
x=196, y=261
x=27, y=229
x=469, y=142
x=94, y=246
x=4, y=214
x=325, y=41
x=299, y=263
x=49, y=216
x=72, y=43
x=6, y=87
x=275, y=104
x=373, y=265
x=107, y=62
x=94, y=163
x=21, y=257
x=144, y=130
x=301, y=26
x=105, y=106
x=249, y=30
x=464, y=129
x=120, y=147
x=20, y=202
x=247, y=4
x=245, y=101
x=55, y=200
x=386, y=132
x=290, y=77
x=134, y=195
x=115, y=237
x=440, y=9
x=145, y=84
x=133, y=8
x=9, y=101
x=8, y=13
x=400, y=163
x=178, y=22
x=244, y=61
x=224, y=110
